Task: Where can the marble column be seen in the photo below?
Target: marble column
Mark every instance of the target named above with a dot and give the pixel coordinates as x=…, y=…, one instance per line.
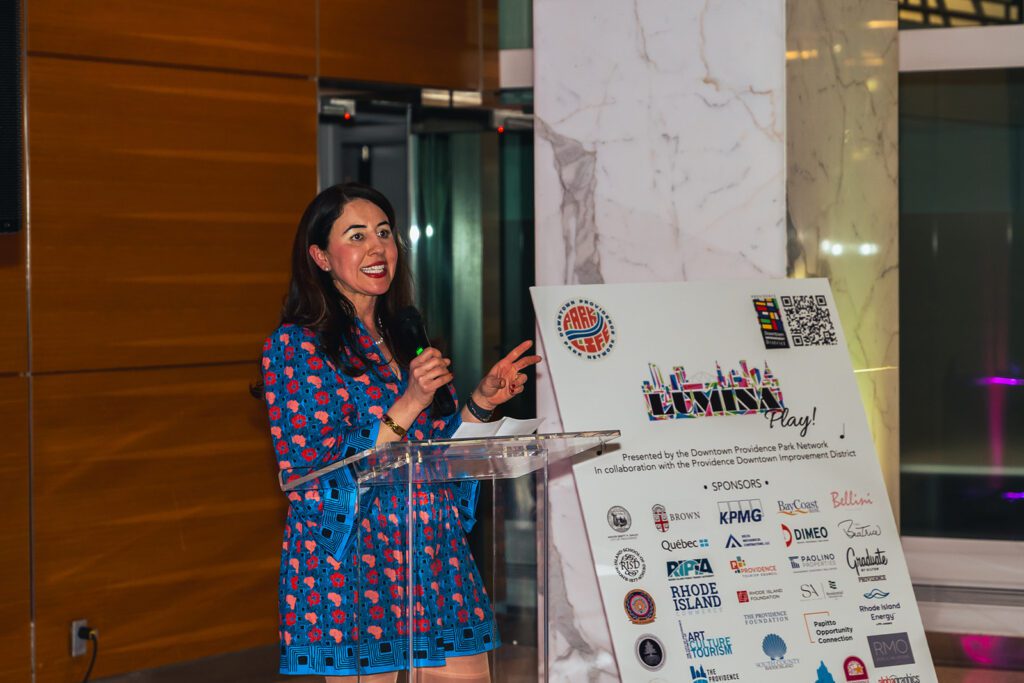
x=659, y=156
x=842, y=81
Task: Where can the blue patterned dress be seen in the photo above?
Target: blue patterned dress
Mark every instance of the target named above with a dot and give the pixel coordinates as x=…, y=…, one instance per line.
x=343, y=602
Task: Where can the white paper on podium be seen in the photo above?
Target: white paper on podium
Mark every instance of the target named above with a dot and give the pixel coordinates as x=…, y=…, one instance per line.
x=506, y=426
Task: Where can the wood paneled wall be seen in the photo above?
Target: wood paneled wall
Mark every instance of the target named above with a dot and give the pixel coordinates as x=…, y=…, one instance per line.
x=15, y=651
x=434, y=44
x=251, y=35
x=172, y=149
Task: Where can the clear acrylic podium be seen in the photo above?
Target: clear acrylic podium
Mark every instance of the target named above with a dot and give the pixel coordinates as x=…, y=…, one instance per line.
x=435, y=609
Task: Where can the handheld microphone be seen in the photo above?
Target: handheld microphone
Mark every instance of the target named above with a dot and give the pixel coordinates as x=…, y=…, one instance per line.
x=409, y=324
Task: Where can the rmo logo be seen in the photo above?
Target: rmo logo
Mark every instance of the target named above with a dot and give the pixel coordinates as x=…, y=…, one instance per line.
x=891, y=649
x=586, y=329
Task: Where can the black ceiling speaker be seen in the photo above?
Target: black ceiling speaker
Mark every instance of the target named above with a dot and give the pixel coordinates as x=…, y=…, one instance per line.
x=12, y=145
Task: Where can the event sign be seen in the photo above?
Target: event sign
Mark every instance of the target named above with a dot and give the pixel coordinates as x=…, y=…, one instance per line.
x=741, y=532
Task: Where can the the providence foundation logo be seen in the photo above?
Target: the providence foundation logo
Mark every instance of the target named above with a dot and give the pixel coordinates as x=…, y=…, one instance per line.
x=586, y=329
x=744, y=392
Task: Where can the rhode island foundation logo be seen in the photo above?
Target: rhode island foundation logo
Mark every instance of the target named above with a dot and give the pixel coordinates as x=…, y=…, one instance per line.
x=586, y=329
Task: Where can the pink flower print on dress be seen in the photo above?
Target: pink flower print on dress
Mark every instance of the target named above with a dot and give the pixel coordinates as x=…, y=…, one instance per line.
x=336, y=634
x=372, y=596
x=311, y=617
x=315, y=381
x=375, y=631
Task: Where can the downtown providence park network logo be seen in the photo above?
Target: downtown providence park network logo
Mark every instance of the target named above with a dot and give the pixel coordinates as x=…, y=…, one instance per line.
x=585, y=329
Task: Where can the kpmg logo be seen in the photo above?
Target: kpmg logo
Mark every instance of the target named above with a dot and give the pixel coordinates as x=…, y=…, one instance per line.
x=804, y=534
x=699, y=645
x=744, y=392
x=892, y=649
x=585, y=329
x=796, y=507
x=740, y=511
x=688, y=569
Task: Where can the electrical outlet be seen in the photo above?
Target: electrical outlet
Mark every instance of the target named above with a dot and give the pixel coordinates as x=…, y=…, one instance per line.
x=79, y=646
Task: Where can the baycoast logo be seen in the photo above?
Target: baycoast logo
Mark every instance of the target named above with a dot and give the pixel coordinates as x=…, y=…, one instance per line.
x=586, y=329
x=797, y=506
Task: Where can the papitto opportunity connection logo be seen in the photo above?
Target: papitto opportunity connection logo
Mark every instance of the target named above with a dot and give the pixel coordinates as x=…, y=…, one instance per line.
x=586, y=329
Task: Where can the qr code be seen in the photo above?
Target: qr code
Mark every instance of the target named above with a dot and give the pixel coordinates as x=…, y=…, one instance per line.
x=810, y=323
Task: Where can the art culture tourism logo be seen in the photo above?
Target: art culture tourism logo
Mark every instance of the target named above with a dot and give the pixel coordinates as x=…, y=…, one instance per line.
x=630, y=565
x=744, y=392
x=699, y=645
x=639, y=606
x=619, y=519
x=586, y=329
x=650, y=652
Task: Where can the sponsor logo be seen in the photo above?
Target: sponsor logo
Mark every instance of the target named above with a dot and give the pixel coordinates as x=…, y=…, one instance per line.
x=898, y=678
x=850, y=499
x=740, y=511
x=744, y=392
x=882, y=614
x=824, y=675
x=585, y=329
x=639, y=606
x=696, y=597
x=736, y=484
x=630, y=565
x=876, y=594
x=702, y=674
x=660, y=518
x=741, y=567
x=869, y=565
x=804, y=534
x=619, y=519
x=744, y=540
x=820, y=591
x=762, y=618
x=891, y=649
x=759, y=595
x=775, y=648
x=854, y=669
x=769, y=320
x=854, y=529
x=687, y=516
x=684, y=544
x=819, y=562
x=822, y=628
x=796, y=507
x=688, y=569
x=699, y=645
x=650, y=652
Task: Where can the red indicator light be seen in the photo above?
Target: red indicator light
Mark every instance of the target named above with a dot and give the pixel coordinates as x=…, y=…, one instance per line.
x=347, y=116
x=501, y=129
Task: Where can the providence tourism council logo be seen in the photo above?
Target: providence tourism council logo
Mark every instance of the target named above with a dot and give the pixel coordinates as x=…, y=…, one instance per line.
x=747, y=391
x=585, y=328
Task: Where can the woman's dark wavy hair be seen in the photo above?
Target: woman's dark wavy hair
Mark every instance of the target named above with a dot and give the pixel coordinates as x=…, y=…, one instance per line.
x=314, y=302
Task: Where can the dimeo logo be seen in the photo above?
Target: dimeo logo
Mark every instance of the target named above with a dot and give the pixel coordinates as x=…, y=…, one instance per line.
x=740, y=511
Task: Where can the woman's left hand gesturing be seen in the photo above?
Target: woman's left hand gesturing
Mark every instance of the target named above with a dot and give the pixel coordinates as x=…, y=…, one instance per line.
x=505, y=379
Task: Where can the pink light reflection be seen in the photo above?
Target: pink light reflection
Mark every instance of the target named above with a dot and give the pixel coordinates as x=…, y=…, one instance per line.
x=980, y=649
x=1000, y=381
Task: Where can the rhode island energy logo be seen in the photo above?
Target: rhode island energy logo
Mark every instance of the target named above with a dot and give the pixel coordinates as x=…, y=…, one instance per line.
x=586, y=329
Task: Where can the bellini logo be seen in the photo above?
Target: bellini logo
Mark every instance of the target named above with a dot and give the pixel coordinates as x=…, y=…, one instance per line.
x=743, y=392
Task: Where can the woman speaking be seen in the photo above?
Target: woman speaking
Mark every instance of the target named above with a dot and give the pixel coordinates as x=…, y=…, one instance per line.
x=340, y=376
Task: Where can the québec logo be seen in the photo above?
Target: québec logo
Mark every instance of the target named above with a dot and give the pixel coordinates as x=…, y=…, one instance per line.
x=586, y=329
x=740, y=511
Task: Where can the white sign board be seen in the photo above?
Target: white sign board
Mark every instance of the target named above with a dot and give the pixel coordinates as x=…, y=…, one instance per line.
x=742, y=531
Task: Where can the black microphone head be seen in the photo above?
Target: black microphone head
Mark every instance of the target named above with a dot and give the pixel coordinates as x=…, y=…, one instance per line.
x=409, y=325
x=408, y=317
